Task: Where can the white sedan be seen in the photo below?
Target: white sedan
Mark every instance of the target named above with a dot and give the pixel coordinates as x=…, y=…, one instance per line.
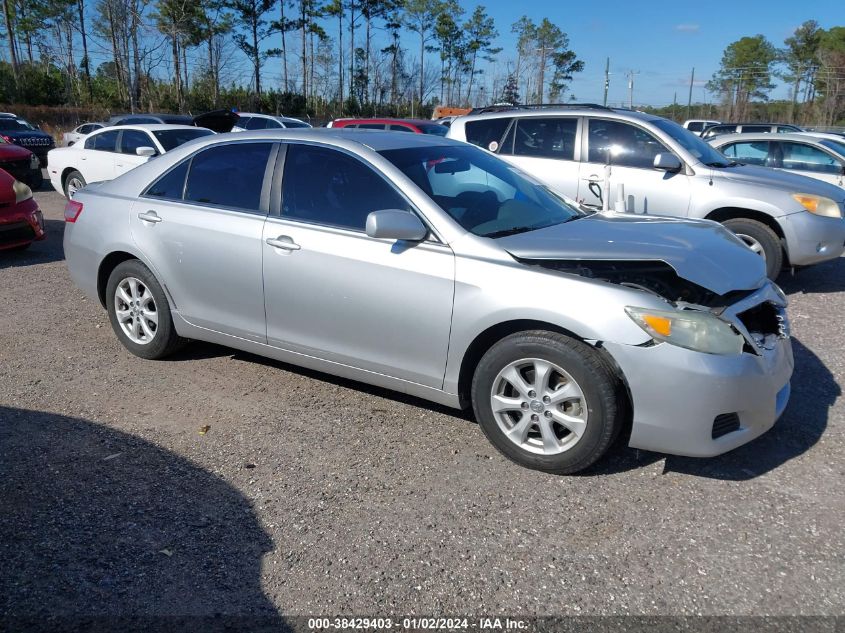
x=112, y=151
x=80, y=132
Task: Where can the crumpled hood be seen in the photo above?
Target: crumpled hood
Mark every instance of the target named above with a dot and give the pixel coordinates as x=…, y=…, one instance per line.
x=699, y=251
x=777, y=179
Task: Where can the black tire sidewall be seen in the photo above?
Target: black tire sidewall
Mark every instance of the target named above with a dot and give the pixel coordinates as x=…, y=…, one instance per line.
x=166, y=339
x=589, y=371
x=67, y=180
x=767, y=238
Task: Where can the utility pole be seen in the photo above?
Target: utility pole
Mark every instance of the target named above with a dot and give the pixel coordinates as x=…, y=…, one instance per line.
x=674, y=103
x=606, y=79
x=689, y=100
x=631, y=74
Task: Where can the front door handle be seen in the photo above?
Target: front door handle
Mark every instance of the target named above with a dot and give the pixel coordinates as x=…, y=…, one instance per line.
x=284, y=242
x=149, y=216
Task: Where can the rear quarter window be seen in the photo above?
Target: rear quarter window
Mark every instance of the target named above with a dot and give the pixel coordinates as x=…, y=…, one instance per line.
x=487, y=133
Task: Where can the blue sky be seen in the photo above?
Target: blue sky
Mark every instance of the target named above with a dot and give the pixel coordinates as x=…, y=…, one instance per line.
x=663, y=41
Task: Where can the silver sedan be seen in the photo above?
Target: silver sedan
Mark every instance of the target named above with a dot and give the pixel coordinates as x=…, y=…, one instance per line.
x=433, y=268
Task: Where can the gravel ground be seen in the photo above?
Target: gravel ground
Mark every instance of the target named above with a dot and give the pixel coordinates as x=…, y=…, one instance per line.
x=317, y=496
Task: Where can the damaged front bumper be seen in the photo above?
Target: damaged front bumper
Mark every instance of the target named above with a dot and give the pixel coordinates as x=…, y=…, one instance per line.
x=699, y=405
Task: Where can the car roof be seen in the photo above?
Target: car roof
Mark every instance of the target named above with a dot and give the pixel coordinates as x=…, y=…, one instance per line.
x=151, y=127
x=767, y=136
x=376, y=140
x=593, y=111
x=385, y=120
x=269, y=116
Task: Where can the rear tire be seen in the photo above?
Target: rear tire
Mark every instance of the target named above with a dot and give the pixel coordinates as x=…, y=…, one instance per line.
x=73, y=183
x=35, y=180
x=139, y=312
x=557, y=408
x=762, y=240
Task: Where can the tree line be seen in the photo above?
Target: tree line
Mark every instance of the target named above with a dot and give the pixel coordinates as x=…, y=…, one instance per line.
x=811, y=61
x=321, y=57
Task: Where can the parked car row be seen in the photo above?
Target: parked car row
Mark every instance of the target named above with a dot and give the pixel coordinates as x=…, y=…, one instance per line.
x=545, y=302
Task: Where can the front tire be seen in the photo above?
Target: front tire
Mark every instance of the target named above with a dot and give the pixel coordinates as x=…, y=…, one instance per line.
x=762, y=240
x=546, y=401
x=139, y=312
x=73, y=183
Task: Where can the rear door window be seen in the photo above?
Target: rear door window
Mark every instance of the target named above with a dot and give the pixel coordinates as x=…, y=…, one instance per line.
x=695, y=126
x=230, y=175
x=400, y=128
x=371, y=126
x=103, y=142
x=487, y=133
x=543, y=138
x=803, y=157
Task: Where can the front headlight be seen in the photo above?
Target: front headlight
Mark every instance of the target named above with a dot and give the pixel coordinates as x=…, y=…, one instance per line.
x=690, y=329
x=818, y=205
x=22, y=192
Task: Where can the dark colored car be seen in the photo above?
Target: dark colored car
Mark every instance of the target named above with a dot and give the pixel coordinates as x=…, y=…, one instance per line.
x=417, y=126
x=20, y=163
x=14, y=129
x=217, y=120
x=21, y=221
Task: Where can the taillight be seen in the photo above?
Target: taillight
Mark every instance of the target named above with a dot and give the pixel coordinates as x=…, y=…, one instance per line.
x=8, y=139
x=72, y=210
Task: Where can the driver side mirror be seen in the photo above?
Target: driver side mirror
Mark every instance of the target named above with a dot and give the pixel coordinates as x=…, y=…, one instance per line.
x=667, y=162
x=146, y=151
x=394, y=224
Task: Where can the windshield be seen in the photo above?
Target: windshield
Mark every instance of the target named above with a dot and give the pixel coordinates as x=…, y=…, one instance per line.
x=692, y=143
x=14, y=125
x=173, y=138
x=434, y=128
x=293, y=124
x=836, y=146
x=484, y=194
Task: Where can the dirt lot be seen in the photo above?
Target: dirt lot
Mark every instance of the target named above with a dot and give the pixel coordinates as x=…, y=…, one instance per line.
x=318, y=496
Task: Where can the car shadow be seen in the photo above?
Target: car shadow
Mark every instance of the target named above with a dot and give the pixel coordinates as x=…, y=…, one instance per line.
x=828, y=276
x=47, y=250
x=814, y=392
x=102, y=530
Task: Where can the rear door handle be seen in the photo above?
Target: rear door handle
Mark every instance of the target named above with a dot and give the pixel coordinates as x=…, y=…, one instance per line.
x=149, y=216
x=284, y=242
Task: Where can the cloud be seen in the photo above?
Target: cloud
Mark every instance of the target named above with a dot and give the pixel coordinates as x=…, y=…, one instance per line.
x=687, y=28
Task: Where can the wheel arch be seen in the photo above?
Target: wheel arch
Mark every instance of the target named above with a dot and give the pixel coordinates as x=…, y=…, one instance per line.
x=107, y=266
x=732, y=213
x=65, y=173
x=489, y=337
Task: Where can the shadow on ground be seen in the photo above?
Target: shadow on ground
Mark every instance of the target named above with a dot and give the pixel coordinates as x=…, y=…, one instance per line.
x=98, y=525
x=828, y=276
x=48, y=250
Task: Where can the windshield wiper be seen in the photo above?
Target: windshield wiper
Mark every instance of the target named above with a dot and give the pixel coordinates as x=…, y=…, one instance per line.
x=511, y=231
x=733, y=163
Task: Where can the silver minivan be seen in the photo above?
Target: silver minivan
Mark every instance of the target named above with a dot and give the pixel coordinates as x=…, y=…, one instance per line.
x=639, y=163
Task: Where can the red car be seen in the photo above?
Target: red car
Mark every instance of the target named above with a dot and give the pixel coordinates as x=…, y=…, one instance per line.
x=418, y=126
x=21, y=222
x=21, y=163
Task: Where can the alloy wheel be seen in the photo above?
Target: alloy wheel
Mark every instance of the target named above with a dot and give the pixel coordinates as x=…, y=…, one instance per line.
x=539, y=406
x=136, y=311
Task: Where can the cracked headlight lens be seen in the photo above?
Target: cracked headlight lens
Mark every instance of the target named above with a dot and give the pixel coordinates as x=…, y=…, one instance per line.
x=690, y=329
